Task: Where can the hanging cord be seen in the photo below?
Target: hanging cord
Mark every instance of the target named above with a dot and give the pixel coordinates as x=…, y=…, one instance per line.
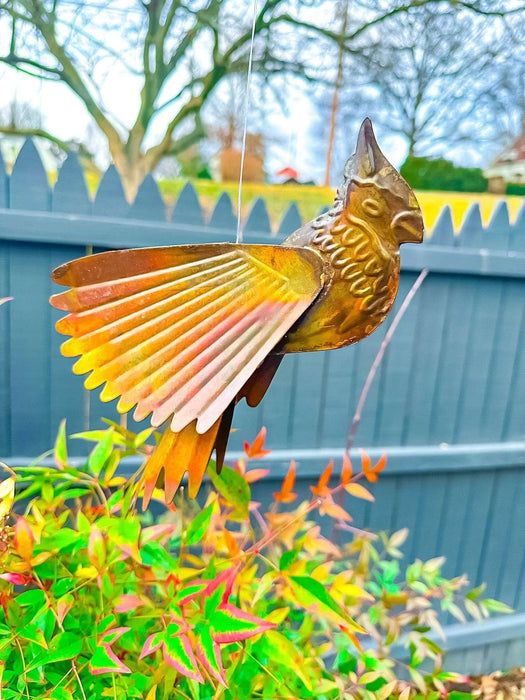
x=246, y=104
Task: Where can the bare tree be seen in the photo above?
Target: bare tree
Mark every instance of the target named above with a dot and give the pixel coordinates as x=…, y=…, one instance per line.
x=426, y=75
x=179, y=50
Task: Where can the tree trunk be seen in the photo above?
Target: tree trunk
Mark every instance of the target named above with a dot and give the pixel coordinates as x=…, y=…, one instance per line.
x=132, y=171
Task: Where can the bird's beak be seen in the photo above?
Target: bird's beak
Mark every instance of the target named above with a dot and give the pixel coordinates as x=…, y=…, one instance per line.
x=408, y=226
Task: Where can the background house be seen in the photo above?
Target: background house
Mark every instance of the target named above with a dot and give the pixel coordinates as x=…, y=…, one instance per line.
x=508, y=168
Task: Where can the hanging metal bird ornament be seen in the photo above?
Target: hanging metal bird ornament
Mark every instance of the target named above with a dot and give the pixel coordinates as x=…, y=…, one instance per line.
x=183, y=332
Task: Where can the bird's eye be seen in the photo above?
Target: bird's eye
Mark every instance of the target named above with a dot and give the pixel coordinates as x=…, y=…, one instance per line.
x=372, y=207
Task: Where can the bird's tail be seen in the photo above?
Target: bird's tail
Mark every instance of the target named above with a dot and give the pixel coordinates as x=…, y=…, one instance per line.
x=178, y=453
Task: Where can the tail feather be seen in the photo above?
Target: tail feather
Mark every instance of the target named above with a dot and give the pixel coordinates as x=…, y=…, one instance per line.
x=178, y=453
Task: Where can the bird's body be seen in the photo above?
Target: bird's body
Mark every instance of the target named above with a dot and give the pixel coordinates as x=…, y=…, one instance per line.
x=184, y=332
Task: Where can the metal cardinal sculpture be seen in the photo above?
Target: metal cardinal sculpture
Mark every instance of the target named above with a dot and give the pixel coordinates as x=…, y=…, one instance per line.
x=184, y=332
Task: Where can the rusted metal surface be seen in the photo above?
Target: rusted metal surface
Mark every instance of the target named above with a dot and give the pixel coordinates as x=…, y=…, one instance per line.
x=179, y=332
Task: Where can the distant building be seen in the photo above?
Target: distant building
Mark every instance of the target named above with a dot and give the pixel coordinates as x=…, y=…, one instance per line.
x=508, y=168
x=290, y=176
x=226, y=164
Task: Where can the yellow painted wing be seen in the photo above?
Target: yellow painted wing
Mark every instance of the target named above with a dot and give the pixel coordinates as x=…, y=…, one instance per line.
x=177, y=331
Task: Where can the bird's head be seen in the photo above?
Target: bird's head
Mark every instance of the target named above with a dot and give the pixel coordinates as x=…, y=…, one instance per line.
x=374, y=193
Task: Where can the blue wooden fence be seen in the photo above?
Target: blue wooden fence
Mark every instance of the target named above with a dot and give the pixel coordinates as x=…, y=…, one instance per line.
x=447, y=406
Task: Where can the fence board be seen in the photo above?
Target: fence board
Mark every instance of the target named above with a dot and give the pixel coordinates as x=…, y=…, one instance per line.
x=187, y=209
x=30, y=328
x=455, y=372
x=338, y=405
x=291, y=221
x=426, y=359
x=258, y=218
x=498, y=529
x=454, y=360
x=498, y=233
x=397, y=368
x=223, y=216
x=307, y=393
x=67, y=398
x=443, y=232
x=148, y=203
x=511, y=576
x=475, y=531
x=277, y=404
x=4, y=184
x=518, y=231
x=70, y=192
x=5, y=339
x=485, y=321
x=28, y=184
x=503, y=348
x=471, y=233
x=110, y=199
x=514, y=424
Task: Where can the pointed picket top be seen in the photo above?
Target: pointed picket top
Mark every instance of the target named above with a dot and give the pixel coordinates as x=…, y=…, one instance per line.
x=110, y=199
x=258, y=219
x=187, y=208
x=223, y=216
x=4, y=184
x=497, y=235
x=291, y=221
x=70, y=193
x=517, y=241
x=471, y=234
x=443, y=231
x=28, y=184
x=148, y=203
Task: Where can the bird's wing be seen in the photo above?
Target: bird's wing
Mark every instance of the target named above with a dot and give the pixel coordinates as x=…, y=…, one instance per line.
x=177, y=331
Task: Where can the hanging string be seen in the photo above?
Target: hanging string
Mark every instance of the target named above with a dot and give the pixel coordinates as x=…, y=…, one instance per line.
x=246, y=105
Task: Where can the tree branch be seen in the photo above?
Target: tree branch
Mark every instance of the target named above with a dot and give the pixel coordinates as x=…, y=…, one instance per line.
x=40, y=133
x=16, y=61
x=45, y=23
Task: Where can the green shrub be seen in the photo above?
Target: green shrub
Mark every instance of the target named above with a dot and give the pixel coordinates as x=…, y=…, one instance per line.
x=440, y=174
x=514, y=188
x=218, y=600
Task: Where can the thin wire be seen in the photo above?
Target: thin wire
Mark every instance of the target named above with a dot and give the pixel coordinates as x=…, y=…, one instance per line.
x=246, y=104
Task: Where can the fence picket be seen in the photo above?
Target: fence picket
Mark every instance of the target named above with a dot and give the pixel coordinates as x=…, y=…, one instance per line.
x=4, y=184
x=223, y=216
x=471, y=233
x=70, y=193
x=258, y=220
x=443, y=231
x=291, y=221
x=110, y=199
x=188, y=208
x=497, y=234
x=148, y=204
x=28, y=184
x=518, y=231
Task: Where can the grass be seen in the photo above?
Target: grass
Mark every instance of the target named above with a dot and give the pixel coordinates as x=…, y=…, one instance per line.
x=310, y=199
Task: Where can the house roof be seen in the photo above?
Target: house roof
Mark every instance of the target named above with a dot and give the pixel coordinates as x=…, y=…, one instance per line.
x=514, y=153
x=288, y=172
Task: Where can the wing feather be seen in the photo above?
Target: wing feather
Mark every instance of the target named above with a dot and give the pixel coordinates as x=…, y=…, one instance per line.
x=177, y=331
